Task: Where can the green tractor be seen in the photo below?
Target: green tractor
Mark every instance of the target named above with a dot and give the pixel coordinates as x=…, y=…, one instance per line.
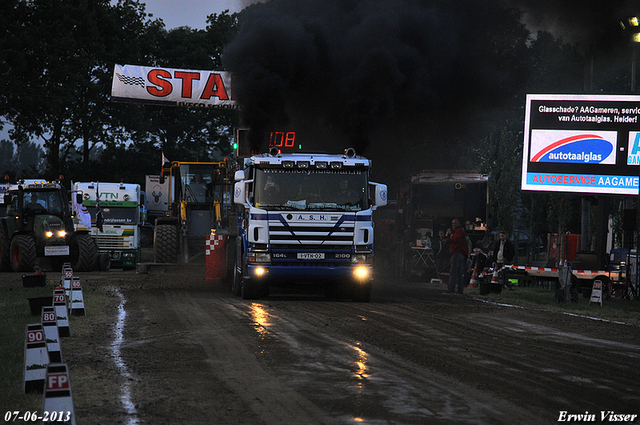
x=38, y=225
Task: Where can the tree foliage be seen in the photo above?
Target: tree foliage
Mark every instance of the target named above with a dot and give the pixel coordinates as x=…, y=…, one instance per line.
x=60, y=56
x=427, y=80
x=28, y=157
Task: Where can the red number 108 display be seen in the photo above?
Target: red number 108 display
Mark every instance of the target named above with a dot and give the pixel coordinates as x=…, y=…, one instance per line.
x=281, y=139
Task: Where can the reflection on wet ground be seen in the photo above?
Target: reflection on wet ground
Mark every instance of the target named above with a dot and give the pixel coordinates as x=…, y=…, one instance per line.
x=353, y=383
x=116, y=355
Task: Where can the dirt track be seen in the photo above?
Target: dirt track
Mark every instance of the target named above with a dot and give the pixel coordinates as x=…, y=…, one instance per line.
x=180, y=351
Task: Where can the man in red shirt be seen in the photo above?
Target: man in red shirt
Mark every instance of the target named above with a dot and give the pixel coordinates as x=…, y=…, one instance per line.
x=457, y=241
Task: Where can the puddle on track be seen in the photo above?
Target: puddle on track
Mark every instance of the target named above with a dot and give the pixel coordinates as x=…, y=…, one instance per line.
x=116, y=345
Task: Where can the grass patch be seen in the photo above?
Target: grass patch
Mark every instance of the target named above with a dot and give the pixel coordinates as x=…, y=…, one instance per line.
x=15, y=315
x=621, y=310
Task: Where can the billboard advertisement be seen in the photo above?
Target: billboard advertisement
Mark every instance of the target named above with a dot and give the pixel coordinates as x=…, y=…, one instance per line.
x=582, y=144
x=172, y=87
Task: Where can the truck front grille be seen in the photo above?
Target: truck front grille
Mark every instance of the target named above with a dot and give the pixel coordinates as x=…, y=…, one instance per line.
x=324, y=236
x=114, y=242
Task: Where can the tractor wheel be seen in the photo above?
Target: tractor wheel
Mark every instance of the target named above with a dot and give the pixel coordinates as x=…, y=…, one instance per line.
x=5, y=264
x=166, y=246
x=83, y=253
x=22, y=253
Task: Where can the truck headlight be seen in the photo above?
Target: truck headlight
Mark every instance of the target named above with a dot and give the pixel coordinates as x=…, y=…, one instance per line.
x=361, y=258
x=48, y=233
x=260, y=271
x=62, y=234
x=361, y=273
x=260, y=257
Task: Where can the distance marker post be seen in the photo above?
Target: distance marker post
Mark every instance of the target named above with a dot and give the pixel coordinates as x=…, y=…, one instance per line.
x=67, y=275
x=77, y=299
x=62, y=315
x=58, y=400
x=51, y=335
x=36, y=359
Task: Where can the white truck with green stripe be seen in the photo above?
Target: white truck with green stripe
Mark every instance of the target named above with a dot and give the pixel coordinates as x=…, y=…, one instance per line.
x=119, y=236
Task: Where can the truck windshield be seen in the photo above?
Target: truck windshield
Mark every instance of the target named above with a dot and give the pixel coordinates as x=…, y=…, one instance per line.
x=201, y=182
x=327, y=190
x=116, y=215
x=40, y=202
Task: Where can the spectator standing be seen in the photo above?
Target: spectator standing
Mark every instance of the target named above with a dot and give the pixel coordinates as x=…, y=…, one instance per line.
x=459, y=250
x=503, y=251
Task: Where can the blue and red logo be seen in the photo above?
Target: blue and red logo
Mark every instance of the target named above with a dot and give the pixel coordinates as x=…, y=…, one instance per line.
x=583, y=148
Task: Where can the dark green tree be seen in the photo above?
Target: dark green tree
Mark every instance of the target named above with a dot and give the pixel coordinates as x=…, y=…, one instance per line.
x=501, y=158
x=6, y=158
x=189, y=134
x=553, y=67
x=60, y=56
x=25, y=161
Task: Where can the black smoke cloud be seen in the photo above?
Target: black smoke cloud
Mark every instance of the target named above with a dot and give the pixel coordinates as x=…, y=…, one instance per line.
x=354, y=63
x=399, y=80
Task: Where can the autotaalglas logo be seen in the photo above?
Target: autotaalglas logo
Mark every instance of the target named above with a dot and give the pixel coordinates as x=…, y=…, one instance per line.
x=633, y=155
x=573, y=147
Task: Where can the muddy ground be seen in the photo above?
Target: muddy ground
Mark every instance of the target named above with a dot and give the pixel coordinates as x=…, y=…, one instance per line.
x=177, y=349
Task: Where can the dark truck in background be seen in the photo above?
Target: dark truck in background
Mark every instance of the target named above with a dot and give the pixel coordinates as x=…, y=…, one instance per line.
x=427, y=203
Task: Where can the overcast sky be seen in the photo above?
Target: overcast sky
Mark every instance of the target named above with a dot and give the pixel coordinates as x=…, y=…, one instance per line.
x=191, y=13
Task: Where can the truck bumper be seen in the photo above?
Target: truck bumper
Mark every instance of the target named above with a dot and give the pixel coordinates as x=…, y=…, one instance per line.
x=122, y=259
x=270, y=273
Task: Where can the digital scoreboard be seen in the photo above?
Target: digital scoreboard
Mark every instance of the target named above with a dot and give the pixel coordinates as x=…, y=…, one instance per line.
x=284, y=141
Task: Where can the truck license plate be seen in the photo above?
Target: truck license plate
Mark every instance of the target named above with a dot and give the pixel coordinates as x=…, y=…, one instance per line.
x=56, y=250
x=311, y=256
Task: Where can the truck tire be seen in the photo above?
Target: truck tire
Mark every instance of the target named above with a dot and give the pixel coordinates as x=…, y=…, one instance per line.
x=23, y=253
x=362, y=292
x=251, y=289
x=103, y=262
x=146, y=236
x=238, y=270
x=83, y=253
x=166, y=244
x=5, y=264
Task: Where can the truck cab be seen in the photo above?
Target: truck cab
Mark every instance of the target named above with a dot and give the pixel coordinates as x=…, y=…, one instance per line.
x=118, y=233
x=197, y=198
x=306, y=218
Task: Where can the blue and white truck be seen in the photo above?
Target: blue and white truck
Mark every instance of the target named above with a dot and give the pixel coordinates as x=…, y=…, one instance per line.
x=306, y=218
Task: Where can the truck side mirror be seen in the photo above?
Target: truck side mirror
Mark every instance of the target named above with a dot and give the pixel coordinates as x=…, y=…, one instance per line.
x=240, y=192
x=239, y=175
x=79, y=198
x=380, y=195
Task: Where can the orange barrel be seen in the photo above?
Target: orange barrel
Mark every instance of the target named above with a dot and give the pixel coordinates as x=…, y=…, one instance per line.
x=216, y=257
